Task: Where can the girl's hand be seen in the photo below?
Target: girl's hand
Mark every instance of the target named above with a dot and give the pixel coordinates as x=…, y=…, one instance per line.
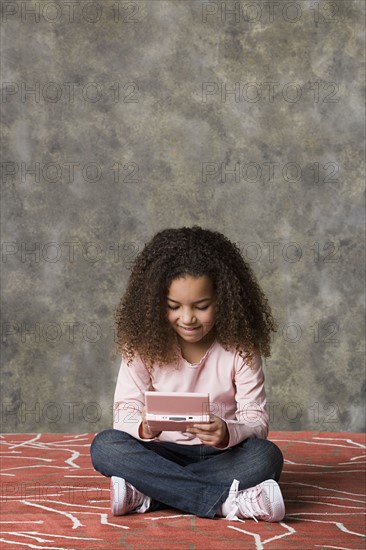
x=144, y=431
x=215, y=433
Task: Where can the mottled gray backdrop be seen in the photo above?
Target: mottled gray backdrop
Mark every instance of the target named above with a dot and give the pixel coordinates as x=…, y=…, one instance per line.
x=121, y=118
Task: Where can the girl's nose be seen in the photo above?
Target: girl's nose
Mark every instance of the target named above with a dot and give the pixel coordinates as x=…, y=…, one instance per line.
x=188, y=316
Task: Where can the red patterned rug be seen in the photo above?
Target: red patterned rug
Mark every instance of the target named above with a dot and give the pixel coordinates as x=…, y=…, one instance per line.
x=51, y=498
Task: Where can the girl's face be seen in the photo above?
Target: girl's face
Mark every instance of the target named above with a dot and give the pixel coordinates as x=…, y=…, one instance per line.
x=191, y=307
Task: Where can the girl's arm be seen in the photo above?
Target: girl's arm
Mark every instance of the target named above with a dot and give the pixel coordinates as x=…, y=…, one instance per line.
x=144, y=430
x=248, y=420
x=251, y=416
x=129, y=399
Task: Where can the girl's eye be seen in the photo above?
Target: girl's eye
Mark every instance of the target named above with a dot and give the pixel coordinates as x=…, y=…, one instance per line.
x=177, y=307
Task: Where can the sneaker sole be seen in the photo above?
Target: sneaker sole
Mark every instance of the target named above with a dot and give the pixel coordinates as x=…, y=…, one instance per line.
x=118, y=496
x=274, y=495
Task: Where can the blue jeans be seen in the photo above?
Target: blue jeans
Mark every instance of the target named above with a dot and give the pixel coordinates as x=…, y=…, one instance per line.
x=193, y=478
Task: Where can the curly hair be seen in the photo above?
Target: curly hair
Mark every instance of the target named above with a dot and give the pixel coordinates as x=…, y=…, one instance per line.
x=243, y=319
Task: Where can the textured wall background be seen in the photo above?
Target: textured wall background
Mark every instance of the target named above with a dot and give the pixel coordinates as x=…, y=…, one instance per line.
x=123, y=118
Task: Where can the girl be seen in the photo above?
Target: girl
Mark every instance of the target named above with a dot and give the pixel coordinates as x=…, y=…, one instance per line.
x=193, y=319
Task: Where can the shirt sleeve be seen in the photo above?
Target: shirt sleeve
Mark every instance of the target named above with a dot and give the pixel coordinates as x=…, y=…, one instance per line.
x=252, y=419
x=129, y=398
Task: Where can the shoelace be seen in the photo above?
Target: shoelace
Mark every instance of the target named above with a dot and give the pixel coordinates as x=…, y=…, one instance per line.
x=132, y=496
x=233, y=514
x=136, y=500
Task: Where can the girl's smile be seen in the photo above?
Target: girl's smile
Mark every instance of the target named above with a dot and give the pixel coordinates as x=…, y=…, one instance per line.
x=191, y=307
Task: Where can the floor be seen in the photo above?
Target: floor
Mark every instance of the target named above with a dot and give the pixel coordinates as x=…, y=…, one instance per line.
x=52, y=498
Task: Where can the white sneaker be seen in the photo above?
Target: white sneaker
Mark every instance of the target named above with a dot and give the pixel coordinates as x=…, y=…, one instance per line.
x=126, y=498
x=263, y=501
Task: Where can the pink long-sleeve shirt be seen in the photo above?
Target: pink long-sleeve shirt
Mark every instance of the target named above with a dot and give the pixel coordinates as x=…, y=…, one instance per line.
x=237, y=394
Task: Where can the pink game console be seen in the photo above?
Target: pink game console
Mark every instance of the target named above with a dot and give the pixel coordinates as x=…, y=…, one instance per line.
x=176, y=411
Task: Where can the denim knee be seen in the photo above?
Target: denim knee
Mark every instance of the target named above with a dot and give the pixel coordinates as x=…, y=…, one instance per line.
x=99, y=446
x=96, y=446
x=271, y=457
x=274, y=458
